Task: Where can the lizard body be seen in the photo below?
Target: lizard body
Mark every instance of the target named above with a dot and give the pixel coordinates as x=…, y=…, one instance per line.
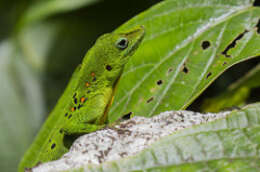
x=83, y=106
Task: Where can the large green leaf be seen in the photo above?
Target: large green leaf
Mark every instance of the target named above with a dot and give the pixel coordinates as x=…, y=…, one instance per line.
x=188, y=44
x=236, y=94
x=44, y=8
x=228, y=144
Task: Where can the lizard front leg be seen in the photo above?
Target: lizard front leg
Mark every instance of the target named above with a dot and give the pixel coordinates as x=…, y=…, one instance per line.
x=86, y=119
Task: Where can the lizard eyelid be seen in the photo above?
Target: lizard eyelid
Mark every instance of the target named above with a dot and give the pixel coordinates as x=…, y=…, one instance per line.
x=122, y=43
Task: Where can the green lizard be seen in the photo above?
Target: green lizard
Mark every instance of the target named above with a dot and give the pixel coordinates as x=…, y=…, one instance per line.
x=84, y=104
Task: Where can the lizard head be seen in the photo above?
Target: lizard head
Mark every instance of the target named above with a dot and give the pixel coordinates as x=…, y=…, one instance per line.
x=112, y=51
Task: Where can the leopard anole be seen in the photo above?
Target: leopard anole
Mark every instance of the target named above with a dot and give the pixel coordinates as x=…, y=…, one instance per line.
x=84, y=104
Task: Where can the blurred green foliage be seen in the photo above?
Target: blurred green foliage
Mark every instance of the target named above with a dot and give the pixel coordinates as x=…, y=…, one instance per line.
x=41, y=43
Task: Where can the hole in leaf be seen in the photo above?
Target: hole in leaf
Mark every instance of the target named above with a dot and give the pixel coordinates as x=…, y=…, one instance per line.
x=127, y=116
x=159, y=82
x=149, y=100
x=258, y=26
x=233, y=44
x=209, y=74
x=205, y=45
x=185, y=69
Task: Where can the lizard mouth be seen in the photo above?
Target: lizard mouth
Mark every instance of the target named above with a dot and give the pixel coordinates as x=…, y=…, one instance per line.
x=136, y=36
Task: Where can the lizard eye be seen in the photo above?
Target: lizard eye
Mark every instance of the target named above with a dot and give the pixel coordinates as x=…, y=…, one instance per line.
x=122, y=43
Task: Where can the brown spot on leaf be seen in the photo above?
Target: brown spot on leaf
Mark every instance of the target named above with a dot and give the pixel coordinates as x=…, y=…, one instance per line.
x=149, y=100
x=170, y=70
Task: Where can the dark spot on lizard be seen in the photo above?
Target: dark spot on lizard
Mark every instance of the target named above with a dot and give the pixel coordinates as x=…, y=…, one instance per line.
x=94, y=79
x=159, y=82
x=233, y=44
x=205, y=45
x=75, y=100
x=224, y=63
x=69, y=116
x=75, y=94
x=79, y=106
x=209, y=74
x=149, y=100
x=53, y=146
x=108, y=67
x=61, y=131
x=66, y=114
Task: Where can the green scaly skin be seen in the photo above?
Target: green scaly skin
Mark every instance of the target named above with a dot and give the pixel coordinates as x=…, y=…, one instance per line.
x=84, y=104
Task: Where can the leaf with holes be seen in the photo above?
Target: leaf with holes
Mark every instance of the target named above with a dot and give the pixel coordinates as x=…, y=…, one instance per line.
x=188, y=44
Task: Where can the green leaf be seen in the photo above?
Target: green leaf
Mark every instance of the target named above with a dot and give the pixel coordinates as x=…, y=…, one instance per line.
x=44, y=8
x=188, y=44
x=228, y=144
x=236, y=94
x=33, y=52
x=21, y=106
